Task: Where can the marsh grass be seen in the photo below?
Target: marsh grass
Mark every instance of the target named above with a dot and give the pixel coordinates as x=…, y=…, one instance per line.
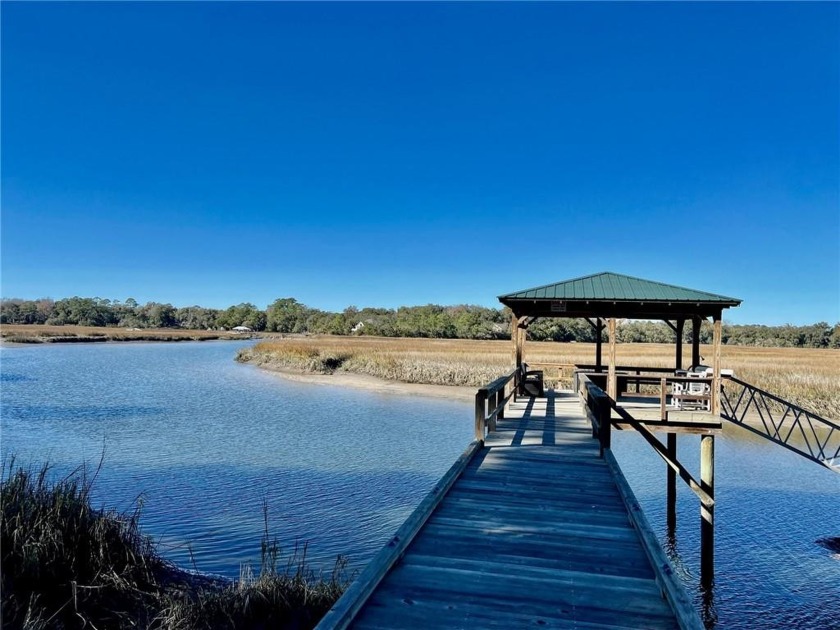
x=23, y=333
x=807, y=377
x=68, y=565
x=65, y=564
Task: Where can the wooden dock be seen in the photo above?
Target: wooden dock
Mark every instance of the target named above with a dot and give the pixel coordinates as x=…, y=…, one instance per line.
x=532, y=528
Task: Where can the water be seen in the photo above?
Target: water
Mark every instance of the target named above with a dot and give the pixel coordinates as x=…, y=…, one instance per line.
x=771, y=506
x=204, y=441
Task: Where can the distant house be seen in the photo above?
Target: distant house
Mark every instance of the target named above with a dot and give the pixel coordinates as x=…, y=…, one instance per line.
x=242, y=329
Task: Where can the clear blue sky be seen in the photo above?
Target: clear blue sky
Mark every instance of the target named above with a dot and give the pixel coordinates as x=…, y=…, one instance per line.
x=382, y=154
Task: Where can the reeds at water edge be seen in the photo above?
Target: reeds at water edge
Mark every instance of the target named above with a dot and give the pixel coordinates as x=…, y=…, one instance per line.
x=808, y=377
x=66, y=564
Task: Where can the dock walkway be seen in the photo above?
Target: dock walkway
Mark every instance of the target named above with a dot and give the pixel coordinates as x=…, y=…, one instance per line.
x=534, y=532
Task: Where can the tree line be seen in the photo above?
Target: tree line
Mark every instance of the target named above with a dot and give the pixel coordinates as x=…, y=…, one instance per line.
x=287, y=315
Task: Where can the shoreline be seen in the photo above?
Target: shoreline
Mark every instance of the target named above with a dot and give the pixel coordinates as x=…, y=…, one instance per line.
x=47, y=341
x=366, y=382
x=41, y=334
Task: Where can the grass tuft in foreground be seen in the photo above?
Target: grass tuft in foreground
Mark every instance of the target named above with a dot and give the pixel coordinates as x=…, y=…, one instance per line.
x=68, y=565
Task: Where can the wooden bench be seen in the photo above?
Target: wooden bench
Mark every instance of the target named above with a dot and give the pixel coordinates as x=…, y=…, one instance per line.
x=532, y=382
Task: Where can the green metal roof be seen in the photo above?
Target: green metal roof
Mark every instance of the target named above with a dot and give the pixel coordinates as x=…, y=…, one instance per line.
x=615, y=287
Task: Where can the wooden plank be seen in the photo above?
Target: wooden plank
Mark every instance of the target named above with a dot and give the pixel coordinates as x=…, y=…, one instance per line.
x=557, y=574
x=562, y=473
x=567, y=557
x=597, y=548
x=533, y=494
x=521, y=502
x=582, y=457
x=574, y=548
x=541, y=527
x=510, y=511
x=461, y=581
x=475, y=612
x=677, y=426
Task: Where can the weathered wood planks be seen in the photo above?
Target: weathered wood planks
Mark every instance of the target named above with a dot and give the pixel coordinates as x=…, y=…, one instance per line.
x=534, y=532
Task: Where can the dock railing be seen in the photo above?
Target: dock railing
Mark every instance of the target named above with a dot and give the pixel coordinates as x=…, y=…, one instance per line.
x=628, y=374
x=555, y=372
x=781, y=421
x=661, y=386
x=599, y=408
x=491, y=399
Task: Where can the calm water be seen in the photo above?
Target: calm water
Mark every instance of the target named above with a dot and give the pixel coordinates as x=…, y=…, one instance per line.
x=205, y=441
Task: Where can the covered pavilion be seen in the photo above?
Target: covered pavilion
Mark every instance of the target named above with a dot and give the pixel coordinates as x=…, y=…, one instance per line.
x=603, y=298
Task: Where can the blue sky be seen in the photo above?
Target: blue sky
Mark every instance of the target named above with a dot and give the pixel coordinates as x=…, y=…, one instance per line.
x=382, y=154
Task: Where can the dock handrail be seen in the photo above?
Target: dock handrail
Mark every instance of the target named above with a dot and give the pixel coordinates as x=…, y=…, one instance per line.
x=565, y=371
x=491, y=399
x=599, y=407
x=782, y=422
x=664, y=383
x=662, y=451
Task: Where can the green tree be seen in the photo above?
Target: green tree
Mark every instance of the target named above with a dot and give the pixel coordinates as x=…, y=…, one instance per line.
x=245, y=314
x=286, y=315
x=156, y=315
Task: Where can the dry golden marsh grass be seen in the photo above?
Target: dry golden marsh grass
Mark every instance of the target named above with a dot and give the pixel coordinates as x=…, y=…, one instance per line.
x=23, y=333
x=805, y=376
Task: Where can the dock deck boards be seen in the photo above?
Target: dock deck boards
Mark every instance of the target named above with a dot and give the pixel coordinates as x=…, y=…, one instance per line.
x=534, y=533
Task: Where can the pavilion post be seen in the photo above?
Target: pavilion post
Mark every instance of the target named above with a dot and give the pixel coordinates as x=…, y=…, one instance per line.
x=679, y=330
x=696, y=323
x=717, y=340
x=514, y=336
x=612, y=382
x=599, y=327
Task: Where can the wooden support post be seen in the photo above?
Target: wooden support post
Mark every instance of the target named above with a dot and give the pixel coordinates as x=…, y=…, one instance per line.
x=707, y=512
x=672, y=484
x=599, y=328
x=679, y=331
x=492, y=403
x=480, y=414
x=716, y=366
x=612, y=384
x=604, y=411
x=514, y=337
x=515, y=384
x=523, y=337
x=663, y=399
x=500, y=400
x=696, y=323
